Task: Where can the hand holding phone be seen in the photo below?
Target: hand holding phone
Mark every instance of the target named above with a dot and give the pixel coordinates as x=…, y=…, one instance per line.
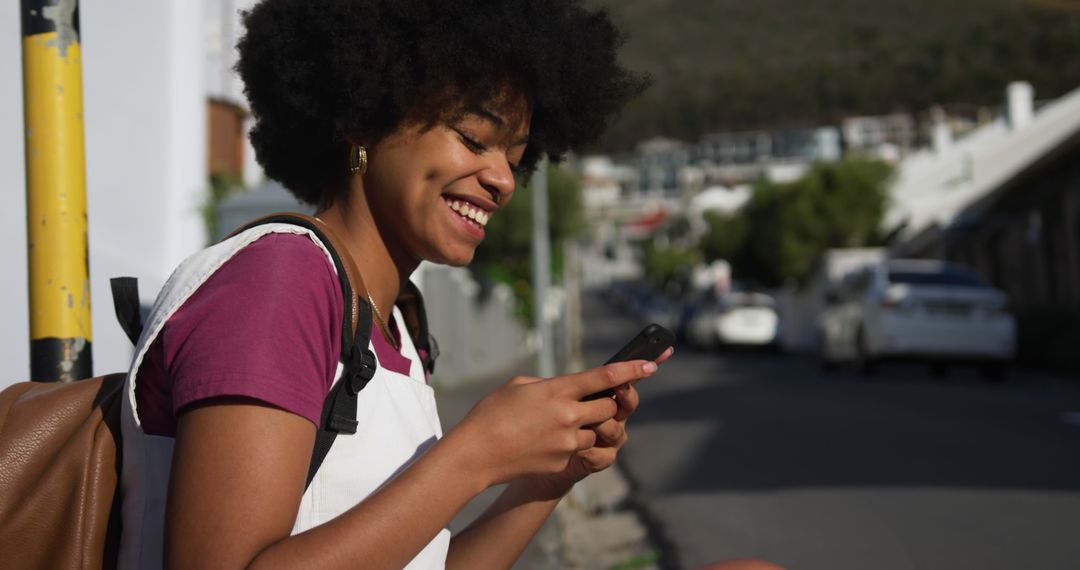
x=649, y=344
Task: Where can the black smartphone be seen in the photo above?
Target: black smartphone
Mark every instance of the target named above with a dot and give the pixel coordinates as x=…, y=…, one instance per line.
x=649, y=344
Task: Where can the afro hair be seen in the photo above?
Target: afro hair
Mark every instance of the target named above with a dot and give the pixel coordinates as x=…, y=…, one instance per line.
x=318, y=73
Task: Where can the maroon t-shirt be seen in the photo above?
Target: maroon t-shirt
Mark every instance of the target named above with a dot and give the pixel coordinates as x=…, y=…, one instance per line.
x=266, y=325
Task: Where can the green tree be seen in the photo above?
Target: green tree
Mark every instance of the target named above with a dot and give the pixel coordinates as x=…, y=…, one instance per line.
x=725, y=237
x=506, y=253
x=220, y=189
x=667, y=266
x=789, y=63
x=785, y=227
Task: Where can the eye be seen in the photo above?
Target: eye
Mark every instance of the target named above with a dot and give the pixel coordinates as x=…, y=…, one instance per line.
x=473, y=144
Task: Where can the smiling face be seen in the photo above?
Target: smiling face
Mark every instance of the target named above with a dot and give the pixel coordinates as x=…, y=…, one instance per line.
x=431, y=189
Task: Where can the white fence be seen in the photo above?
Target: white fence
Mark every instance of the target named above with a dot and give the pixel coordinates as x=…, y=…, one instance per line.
x=478, y=335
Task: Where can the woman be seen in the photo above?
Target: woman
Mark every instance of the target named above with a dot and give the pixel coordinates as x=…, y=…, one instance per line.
x=405, y=123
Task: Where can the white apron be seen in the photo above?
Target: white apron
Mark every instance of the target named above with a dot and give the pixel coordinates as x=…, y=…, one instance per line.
x=397, y=419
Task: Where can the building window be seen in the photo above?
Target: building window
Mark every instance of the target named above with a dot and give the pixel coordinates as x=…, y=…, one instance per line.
x=226, y=132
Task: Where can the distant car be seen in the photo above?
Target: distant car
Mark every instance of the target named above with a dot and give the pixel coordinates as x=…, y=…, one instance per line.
x=735, y=319
x=917, y=309
x=658, y=309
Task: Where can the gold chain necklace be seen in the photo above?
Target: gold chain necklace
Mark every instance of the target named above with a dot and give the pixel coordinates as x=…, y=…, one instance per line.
x=378, y=315
x=382, y=324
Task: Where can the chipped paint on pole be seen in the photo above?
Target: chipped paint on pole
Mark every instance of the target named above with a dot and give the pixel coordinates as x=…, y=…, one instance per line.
x=60, y=335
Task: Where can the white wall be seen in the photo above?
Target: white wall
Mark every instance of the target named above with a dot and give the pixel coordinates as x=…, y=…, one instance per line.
x=14, y=333
x=477, y=339
x=145, y=113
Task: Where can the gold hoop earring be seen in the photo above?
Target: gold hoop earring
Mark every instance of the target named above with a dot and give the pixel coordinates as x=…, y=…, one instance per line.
x=358, y=159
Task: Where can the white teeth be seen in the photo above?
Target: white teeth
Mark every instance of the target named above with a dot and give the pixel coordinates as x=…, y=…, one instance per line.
x=479, y=217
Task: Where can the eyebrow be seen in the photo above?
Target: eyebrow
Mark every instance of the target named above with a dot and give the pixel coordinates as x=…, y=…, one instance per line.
x=496, y=120
x=485, y=114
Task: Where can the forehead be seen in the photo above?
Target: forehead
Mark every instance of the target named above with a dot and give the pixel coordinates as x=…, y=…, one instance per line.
x=507, y=109
x=515, y=108
x=513, y=120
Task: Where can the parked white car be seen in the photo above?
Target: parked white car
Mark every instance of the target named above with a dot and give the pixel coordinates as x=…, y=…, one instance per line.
x=917, y=309
x=735, y=319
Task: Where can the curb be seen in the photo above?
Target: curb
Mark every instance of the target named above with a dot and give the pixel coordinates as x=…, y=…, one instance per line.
x=598, y=529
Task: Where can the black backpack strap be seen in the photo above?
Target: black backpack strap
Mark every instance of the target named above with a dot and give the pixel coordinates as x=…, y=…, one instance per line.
x=339, y=408
x=411, y=303
x=125, y=294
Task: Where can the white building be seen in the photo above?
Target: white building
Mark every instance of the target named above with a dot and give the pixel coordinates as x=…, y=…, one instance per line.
x=936, y=184
x=149, y=69
x=886, y=136
x=1005, y=200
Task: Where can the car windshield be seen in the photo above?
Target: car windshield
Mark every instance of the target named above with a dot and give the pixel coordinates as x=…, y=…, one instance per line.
x=953, y=277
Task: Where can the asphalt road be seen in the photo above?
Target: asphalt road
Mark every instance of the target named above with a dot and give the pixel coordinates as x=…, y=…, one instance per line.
x=761, y=455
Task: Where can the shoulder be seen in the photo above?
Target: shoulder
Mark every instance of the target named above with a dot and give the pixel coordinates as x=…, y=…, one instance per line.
x=266, y=325
x=280, y=257
x=278, y=279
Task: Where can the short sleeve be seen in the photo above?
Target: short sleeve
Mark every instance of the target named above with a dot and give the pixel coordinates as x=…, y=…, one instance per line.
x=266, y=325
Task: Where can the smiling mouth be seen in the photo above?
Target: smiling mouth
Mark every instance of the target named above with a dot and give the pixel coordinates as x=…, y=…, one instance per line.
x=475, y=216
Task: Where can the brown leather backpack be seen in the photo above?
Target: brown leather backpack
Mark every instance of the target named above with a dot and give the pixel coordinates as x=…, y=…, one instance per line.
x=60, y=451
x=59, y=460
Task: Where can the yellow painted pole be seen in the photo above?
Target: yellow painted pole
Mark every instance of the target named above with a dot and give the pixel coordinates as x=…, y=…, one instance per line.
x=60, y=337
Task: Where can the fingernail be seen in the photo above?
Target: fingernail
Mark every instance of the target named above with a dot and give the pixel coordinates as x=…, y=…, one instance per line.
x=649, y=367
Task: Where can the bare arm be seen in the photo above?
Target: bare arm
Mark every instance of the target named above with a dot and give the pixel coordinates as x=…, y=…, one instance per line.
x=239, y=469
x=238, y=476
x=510, y=522
x=519, y=512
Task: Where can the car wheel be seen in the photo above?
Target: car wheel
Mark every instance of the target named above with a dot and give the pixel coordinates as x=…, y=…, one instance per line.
x=715, y=344
x=864, y=361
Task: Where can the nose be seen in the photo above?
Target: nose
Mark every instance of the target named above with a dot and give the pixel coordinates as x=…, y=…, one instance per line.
x=498, y=178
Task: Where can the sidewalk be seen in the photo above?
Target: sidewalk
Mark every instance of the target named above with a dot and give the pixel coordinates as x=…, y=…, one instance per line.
x=592, y=528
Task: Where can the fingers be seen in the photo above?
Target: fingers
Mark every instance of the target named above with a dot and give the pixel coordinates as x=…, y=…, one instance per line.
x=598, y=458
x=522, y=380
x=609, y=376
x=628, y=399
x=611, y=433
x=596, y=411
x=586, y=439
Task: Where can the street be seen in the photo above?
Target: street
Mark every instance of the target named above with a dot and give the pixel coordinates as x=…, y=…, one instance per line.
x=740, y=454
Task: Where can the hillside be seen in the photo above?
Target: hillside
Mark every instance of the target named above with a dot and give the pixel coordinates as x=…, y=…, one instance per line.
x=727, y=64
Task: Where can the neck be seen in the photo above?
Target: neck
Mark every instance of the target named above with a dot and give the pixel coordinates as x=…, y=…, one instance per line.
x=383, y=269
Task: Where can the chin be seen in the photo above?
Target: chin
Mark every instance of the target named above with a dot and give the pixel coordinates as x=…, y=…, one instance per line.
x=453, y=258
x=460, y=261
